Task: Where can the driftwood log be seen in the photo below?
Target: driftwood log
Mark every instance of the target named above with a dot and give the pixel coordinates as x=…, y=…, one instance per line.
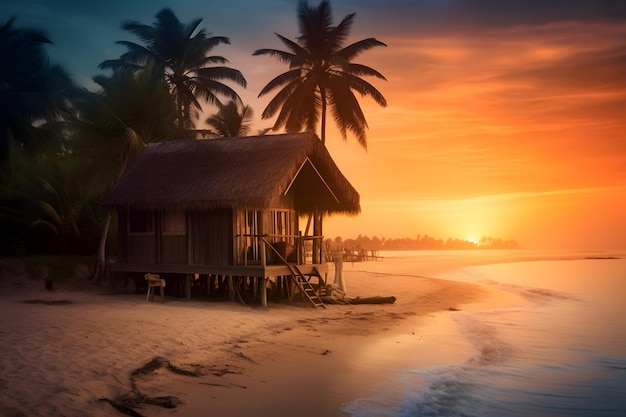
x=360, y=300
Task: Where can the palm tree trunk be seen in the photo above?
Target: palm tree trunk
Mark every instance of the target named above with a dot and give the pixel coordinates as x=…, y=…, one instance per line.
x=101, y=258
x=323, y=96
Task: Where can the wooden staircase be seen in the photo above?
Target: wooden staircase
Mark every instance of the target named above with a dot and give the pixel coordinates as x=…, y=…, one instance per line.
x=299, y=278
x=305, y=286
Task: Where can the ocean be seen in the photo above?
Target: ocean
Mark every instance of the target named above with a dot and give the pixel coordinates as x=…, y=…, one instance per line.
x=559, y=351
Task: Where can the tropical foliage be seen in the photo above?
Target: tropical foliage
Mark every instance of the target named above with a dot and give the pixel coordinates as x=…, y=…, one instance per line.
x=131, y=110
x=321, y=75
x=33, y=94
x=180, y=51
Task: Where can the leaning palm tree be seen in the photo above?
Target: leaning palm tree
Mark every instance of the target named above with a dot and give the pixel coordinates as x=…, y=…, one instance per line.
x=229, y=122
x=321, y=75
x=34, y=94
x=182, y=56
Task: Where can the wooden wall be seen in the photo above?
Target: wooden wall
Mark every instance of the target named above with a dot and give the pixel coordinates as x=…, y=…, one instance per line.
x=209, y=238
x=212, y=237
x=173, y=249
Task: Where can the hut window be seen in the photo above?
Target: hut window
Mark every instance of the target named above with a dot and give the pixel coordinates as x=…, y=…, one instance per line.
x=140, y=222
x=174, y=223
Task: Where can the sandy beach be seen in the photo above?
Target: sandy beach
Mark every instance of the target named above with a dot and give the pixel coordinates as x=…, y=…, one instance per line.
x=65, y=351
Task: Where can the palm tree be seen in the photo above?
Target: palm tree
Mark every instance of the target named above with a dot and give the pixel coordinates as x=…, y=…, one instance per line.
x=116, y=123
x=181, y=55
x=131, y=110
x=33, y=93
x=321, y=75
x=228, y=122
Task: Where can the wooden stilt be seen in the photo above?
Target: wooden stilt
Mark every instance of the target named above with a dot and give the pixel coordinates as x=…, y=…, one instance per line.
x=231, y=288
x=264, y=292
x=188, y=286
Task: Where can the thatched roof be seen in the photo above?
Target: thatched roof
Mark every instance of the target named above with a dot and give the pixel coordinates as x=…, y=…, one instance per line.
x=249, y=172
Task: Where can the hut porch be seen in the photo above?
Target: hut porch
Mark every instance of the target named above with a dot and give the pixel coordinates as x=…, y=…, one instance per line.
x=232, y=277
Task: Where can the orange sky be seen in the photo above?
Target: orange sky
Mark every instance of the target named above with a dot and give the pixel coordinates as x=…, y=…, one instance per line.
x=506, y=118
x=519, y=133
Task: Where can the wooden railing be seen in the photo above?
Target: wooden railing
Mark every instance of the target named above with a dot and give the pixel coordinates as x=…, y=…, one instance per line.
x=298, y=249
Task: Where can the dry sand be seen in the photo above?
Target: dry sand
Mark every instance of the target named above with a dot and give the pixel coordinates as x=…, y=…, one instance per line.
x=62, y=354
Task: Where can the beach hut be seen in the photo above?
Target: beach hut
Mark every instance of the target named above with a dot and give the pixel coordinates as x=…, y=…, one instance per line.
x=229, y=210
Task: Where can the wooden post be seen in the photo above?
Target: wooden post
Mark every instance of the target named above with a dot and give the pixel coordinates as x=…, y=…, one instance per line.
x=231, y=288
x=188, y=286
x=189, y=238
x=261, y=224
x=317, y=241
x=338, y=259
x=263, y=291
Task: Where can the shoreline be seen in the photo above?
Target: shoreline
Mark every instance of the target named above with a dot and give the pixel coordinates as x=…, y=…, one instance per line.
x=62, y=359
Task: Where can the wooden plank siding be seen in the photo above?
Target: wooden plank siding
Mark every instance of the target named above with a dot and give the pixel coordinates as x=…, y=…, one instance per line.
x=212, y=237
x=142, y=249
x=207, y=240
x=173, y=249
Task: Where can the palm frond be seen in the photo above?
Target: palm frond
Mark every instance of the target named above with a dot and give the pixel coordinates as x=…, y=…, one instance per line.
x=363, y=87
x=138, y=55
x=359, y=70
x=340, y=33
x=353, y=50
x=304, y=108
x=284, y=78
x=346, y=111
x=144, y=32
x=280, y=99
x=208, y=44
x=206, y=60
x=221, y=73
x=209, y=90
x=191, y=27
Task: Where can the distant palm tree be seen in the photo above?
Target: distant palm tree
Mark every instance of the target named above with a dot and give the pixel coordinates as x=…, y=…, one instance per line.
x=33, y=92
x=228, y=122
x=321, y=75
x=182, y=56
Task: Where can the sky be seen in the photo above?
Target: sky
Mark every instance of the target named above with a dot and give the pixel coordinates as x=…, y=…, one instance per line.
x=505, y=118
